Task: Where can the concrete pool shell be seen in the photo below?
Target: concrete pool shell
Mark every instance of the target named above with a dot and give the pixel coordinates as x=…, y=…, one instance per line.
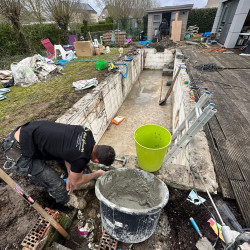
x=137, y=98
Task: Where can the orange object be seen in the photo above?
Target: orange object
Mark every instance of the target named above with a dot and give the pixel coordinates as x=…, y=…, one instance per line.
x=216, y=227
x=219, y=50
x=118, y=119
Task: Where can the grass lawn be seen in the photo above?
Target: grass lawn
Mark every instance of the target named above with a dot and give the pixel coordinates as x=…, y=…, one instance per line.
x=49, y=100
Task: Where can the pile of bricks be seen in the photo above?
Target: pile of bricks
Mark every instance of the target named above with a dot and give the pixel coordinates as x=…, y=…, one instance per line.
x=120, y=37
x=107, y=242
x=35, y=238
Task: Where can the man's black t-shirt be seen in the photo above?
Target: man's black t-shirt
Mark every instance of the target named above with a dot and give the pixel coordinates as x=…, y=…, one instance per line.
x=56, y=141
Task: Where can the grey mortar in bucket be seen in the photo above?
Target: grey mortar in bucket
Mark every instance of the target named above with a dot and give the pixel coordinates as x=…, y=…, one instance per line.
x=131, y=201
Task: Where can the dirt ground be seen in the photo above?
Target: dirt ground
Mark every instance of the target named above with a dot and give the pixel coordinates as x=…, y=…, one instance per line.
x=174, y=230
x=163, y=44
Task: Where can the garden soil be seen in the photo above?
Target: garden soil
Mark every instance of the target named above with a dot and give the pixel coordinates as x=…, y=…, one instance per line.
x=174, y=230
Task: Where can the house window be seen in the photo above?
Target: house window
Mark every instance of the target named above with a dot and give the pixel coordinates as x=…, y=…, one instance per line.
x=173, y=15
x=156, y=24
x=157, y=17
x=103, y=16
x=183, y=13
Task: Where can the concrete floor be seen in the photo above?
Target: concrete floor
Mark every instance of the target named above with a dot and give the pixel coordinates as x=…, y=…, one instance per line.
x=140, y=107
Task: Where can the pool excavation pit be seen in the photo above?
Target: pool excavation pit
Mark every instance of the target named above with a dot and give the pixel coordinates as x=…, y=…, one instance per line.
x=141, y=210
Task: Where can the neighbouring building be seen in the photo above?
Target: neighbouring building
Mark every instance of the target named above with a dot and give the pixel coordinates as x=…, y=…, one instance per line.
x=85, y=12
x=212, y=3
x=104, y=14
x=232, y=22
x=169, y=13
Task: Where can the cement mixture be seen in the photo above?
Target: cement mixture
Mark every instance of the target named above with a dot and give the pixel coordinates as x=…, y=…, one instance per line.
x=132, y=188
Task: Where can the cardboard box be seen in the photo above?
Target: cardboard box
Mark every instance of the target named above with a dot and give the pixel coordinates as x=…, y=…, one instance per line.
x=102, y=49
x=97, y=51
x=84, y=48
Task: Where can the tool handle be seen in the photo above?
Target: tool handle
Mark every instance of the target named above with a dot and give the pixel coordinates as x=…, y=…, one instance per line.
x=173, y=82
x=161, y=89
x=195, y=226
x=35, y=205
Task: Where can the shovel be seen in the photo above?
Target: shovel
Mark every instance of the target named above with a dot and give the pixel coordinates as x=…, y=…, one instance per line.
x=35, y=205
x=163, y=102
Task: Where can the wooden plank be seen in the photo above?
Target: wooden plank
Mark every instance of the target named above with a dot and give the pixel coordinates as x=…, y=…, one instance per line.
x=228, y=132
x=242, y=195
x=220, y=170
x=176, y=28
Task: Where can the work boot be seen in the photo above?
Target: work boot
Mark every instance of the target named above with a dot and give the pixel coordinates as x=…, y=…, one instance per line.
x=77, y=202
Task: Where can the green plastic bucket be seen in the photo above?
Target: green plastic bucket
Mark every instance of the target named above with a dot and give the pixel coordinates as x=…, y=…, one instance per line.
x=151, y=143
x=100, y=65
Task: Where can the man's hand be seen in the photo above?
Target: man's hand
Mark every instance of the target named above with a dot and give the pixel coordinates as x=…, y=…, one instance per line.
x=75, y=179
x=69, y=186
x=99, y=173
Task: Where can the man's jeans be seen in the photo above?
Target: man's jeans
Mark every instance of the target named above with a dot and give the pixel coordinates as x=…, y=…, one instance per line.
x=39, y=172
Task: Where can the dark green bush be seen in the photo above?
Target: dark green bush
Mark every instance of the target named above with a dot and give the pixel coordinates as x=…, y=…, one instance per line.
x=100, y=27
x=203, y=18
x=8, y=41
x=109, y=19
x=33, y=34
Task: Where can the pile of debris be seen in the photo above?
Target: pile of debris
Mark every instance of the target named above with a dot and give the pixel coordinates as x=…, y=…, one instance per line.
x=29, y=71
x=163, y=44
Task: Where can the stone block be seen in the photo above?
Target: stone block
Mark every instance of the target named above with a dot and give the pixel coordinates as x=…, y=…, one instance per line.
x=167, y=72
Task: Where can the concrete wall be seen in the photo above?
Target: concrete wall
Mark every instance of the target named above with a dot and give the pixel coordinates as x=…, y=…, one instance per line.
x=183, y=16
x=196, y=155
x=151, y=27
x=212, y=4
x=96, y=109
x=237, y=23
x=156, y=60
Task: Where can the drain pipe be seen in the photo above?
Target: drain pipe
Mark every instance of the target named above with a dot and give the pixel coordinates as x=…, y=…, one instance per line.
x=74, y=61
x=228, y=234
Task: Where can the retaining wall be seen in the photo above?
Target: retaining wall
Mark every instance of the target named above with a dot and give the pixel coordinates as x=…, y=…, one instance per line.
x=156, y=60
x=96, y=109
x=196, y=155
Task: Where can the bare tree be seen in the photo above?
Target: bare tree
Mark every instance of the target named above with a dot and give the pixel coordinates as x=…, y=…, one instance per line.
x=139, y=7
x=11, y=10
x=122, y=9
x=36, y=8
x=61, y=11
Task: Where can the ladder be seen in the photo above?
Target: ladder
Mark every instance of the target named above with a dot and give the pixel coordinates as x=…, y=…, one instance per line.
x=186, y=131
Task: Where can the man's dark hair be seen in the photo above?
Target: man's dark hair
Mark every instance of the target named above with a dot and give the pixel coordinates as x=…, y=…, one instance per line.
x=105, y=154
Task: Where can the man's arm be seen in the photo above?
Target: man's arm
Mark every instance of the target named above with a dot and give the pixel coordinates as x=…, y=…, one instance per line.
x=75, y=179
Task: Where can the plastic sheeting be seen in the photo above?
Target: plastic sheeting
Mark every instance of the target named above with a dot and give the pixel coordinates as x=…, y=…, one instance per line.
x=34, y=69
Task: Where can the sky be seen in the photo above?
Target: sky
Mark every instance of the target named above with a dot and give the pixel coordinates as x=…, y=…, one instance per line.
x=197, y=3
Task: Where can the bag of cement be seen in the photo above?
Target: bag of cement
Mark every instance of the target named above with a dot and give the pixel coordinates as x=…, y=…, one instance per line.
x=23, y=75
x=84, y=84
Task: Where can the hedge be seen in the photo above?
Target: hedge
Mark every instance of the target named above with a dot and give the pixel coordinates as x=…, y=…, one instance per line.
x=34, y=34
x=100, y=27
x=8, y=41
x=203, y=18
